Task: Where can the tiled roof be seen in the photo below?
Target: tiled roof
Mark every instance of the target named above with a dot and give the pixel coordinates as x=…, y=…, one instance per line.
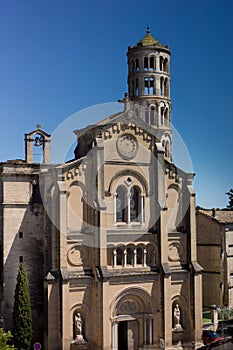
x=149, y=40
x=220, y=215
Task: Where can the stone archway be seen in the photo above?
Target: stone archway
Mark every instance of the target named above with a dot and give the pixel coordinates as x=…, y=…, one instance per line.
x=128, y=335
x=132, y=321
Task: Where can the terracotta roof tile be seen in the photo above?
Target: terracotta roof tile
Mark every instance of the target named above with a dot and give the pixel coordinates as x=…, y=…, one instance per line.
x=220, y=215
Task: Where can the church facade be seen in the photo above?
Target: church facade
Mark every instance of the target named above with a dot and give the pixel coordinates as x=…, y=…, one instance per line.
x=108, y=239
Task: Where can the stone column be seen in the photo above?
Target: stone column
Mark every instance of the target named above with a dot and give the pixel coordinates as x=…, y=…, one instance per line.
x=114, y=257
x=142, y=209
x=157, y=77
x=150, y=331
x=128, y=209
x=114, y=335
x=125, y=258
x=135, y=257
x=144, y=331
x=115, y=208
x=144, y=257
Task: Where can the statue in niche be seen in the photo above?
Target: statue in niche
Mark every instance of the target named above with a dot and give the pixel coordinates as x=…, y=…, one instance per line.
x=78, y=324
x=176, y=319
x=78, y=329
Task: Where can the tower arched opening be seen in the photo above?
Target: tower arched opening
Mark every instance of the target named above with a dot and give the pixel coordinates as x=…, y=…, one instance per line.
x=146, y=86
x=152, y=88
x=152, y=63
x=146, y=66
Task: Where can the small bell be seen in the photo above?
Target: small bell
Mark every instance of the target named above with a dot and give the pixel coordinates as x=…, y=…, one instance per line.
x=38, y=141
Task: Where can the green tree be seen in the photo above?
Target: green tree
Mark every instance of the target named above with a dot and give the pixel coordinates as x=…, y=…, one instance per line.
x=22, y=317
x=230, y=194
x=5, y=338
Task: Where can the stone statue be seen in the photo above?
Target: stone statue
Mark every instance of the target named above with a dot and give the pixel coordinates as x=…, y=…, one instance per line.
x=78, y=323
x=176, y=315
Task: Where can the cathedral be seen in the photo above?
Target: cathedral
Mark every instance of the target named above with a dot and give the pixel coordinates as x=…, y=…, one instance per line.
x=108, y=239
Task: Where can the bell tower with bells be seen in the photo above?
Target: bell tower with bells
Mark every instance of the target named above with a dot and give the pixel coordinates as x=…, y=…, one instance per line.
x=149, y=86
x=37, y=146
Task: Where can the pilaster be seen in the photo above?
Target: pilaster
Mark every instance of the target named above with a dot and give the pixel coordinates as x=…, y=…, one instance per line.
x=196, y=269
x=52, y=339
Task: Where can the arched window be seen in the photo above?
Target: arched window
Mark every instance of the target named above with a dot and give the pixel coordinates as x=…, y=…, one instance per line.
x=161, y=86
x=167, y=149
x=165, y=65
x=128, y=203
x=166, y=92
x=129, y=256
x=152, y=115
x=161, y=116
x=146, y=86
x=136, y=87
x=119, y=256
x=121, y=204
x=133, y=88
x=136, y=65
x=110, y=256
x=145, y=63
x=161, y=63
x=152, y=63
x=132, y=66
x=152, y=86
x=166, y=117
x=139, y=256
x=134, y=203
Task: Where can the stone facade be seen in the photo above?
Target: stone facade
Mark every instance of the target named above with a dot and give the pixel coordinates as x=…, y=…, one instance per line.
x=110, y=248
x=215, y=241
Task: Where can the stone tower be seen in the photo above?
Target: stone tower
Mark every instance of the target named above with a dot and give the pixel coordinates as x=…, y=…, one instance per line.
x=149, y=85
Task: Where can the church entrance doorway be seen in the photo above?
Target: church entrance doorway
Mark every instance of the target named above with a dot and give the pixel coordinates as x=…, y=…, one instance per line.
x=132, y=320
x=128, y=335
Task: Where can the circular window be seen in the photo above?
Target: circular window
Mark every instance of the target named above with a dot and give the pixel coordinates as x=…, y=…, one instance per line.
x=127, y=146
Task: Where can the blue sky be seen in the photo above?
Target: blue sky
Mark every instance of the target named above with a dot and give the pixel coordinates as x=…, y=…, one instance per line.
x=58, y=57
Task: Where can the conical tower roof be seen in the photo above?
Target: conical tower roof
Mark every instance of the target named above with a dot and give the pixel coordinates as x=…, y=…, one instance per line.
x=149, y=40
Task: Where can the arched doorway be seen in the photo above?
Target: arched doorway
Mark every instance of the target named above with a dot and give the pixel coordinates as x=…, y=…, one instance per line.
x=132, y=321
x=128, y=335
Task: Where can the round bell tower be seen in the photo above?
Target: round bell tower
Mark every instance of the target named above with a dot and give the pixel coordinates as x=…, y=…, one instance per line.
x=149, y=84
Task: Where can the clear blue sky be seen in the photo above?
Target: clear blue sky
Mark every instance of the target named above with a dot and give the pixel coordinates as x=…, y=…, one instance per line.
x=60, y=56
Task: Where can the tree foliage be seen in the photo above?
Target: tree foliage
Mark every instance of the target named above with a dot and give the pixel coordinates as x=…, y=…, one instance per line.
x=5, y=338
x=230, y=194
x=22, y=317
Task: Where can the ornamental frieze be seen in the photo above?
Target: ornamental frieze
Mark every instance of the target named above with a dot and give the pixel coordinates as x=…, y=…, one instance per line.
x=121, y=127
x=77, y=171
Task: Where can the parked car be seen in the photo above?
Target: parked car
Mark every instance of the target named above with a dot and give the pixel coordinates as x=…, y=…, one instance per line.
x=228, y=331
x=210, y=336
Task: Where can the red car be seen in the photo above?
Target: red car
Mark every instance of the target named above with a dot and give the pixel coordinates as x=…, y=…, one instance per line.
x=210, y=336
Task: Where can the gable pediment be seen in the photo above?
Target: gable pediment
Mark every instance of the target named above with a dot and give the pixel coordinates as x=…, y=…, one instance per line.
x=125, y=118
